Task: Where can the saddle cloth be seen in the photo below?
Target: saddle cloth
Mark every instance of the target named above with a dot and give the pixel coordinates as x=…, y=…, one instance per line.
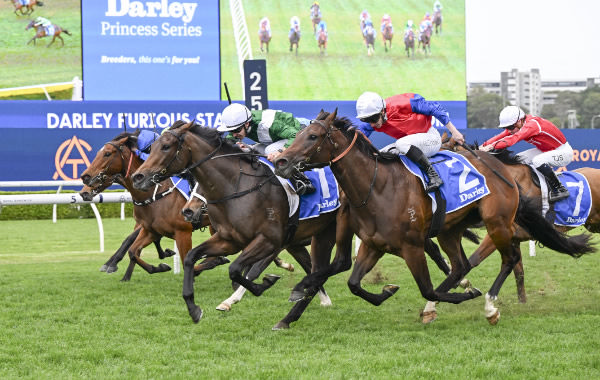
x=325, y=199
x=463, y=184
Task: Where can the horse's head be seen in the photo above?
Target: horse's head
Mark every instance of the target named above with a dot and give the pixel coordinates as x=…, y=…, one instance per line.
x=312, y=147
x=111, y=162
x=169, y=155
x=195, y=208
x=30, y=25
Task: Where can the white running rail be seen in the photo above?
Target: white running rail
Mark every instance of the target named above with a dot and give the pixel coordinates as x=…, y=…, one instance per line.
x=240, y=32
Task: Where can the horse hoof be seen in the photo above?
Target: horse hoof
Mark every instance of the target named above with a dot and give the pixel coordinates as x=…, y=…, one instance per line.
x=271, y=279
x=224, y=307
x=111, y=269
x=429, y=316
x=493, y=319
x=522, y=298
x=196, y=314
x=287, y=266
x=162, y=267
x=168, y=253
x=474, y=292
x=391, y=289
x=296, y=296
x=465, y=284
x=103, y=268
x=281, y=326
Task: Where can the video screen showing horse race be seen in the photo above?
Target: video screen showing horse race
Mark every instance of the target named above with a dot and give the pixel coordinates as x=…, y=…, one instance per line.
x=298, y=189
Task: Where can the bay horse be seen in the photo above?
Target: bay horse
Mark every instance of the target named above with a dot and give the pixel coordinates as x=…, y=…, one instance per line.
x=437, y=21
x=26, y=7
x=265, y=38
x=322, y=41
x=370, y=39
x=315, y=16
x=156, y=215
x=387, y=35
x=40, y=32
x=390, y=211
x=294, y=37
x=425, y=39
x=409, y=43
x=248, y=208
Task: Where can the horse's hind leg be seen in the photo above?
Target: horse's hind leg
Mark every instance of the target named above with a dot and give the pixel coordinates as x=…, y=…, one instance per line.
x=365, y=261
x=143, y=240
x=111, y=265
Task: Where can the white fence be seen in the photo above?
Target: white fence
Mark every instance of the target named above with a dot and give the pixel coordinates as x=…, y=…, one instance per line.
x=240, y=32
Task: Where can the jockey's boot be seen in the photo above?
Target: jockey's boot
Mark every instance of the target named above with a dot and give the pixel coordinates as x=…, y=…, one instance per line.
x=302, y=183
x=416, y=155
x=557, y=191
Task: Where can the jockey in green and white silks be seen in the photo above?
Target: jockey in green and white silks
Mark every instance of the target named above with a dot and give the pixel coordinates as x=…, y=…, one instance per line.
x=273, y=131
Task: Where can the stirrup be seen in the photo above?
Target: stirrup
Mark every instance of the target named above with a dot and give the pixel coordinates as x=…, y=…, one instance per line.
x=558, y=194
x=434, y=183
x=303, y=188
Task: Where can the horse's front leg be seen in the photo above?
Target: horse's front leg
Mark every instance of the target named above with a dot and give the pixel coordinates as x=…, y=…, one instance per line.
x=143, y=240
x=365, y=261
x=214, y=246
x=111, y=265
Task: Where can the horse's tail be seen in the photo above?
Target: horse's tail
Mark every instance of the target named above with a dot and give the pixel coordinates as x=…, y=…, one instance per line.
x=39, y=3
x=531, y=219
x=472, y=236
x=67, y=32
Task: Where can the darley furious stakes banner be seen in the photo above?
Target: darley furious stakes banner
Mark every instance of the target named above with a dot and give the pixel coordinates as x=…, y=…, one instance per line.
x=150, y=50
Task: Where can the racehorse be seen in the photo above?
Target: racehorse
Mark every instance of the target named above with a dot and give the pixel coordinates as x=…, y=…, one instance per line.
x=40, y=32
x=370, y=39
x=390, y=212
x=264, y=38
x=25, y=7
x=409, y=43
x=248, y=208
x=437, y=21
x=322, y=41
x=425, y=39
x=294, y=37
x=315, y=16
x=387, y=35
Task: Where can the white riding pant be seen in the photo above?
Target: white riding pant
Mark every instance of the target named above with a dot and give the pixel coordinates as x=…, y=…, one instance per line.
x=265, y=149
x=561, y=156
x=429, y=142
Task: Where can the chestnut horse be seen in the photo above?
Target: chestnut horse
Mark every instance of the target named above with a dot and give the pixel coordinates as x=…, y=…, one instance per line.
x=248, y=208
x=390, y=211
x=322, y=41
x=40, y=32
x=387, y=35
x=25, y=7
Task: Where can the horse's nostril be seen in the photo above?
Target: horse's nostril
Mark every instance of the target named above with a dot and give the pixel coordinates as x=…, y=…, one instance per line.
x=187, y=212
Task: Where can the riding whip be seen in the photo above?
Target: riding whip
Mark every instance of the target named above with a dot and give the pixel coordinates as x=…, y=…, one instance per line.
x=227, y=92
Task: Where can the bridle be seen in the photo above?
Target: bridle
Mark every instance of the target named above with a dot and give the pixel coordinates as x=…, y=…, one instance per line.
x=102, y=176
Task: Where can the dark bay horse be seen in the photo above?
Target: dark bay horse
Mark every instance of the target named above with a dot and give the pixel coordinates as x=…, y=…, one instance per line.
x=154, y=218
x=390, y=211
x=437, y=21
x=409, y=43
x=294, y=37
x=40, y=32
x=370, y=39
x=425, y=39
x=387, y=35
x=248, y=208
x=26, y=7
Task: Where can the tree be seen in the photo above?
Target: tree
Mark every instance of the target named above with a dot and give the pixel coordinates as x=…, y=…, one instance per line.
x=483, y=109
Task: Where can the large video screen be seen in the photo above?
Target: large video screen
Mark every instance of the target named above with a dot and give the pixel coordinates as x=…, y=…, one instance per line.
x=150, y=50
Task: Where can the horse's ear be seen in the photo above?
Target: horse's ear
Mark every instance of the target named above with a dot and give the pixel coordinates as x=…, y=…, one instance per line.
x=331, y=118
x=186, y=127
x=123, y=140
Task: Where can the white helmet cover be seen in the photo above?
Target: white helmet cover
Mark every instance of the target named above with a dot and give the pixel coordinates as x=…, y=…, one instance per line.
x=368, y=104
x=234, y=116
x=510, y=115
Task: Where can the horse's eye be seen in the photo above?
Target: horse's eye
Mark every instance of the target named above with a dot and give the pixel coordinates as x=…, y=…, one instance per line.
x=165, y=147
x=107, y=154
x=312, y=137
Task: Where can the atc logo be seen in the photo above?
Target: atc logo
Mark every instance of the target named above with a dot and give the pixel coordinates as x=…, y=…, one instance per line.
x=71, y=153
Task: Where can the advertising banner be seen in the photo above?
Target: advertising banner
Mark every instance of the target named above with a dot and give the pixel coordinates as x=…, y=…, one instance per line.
x=150, y=50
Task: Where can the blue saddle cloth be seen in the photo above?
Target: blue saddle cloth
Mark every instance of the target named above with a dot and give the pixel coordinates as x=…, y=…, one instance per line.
x=182, y=185
x=463, y=184
x=326, y=197
x=575, y=210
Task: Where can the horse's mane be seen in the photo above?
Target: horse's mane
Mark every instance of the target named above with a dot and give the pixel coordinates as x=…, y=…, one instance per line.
x=214, y=138
x=131, y=141
x=507, y=157
x=362, y=142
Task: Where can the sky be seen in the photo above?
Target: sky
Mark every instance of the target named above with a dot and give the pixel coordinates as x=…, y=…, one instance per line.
x=561, y=38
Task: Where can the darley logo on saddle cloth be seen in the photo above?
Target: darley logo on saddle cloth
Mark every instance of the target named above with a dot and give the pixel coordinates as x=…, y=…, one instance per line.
x=573, y=211
x=325, y=199
x=463, y=184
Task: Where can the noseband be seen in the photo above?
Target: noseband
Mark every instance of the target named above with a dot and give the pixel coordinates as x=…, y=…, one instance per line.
x=335, y=145
x=102, y=176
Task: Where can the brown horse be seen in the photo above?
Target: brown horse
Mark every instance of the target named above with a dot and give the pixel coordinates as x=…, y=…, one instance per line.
x=315, y=16
x=294, y=37
x=40, y=32
x=437, y=21
x=391, y=212
x=409, y=43
x=425, y=39
x=248, y=207
x=369, y=37
x=156, y=215
x=25, y=7
x=322, y=41
x=265, y=38
x=387, y=35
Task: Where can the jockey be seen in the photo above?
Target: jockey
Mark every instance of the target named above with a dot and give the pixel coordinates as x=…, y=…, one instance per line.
x=437, y=6
x=364, y=16
x=144, y=141
x=407, y=118
x=264, y=24
x=367, y=26
x=385, y=20
x=42, y=21
x=551, y=146
x=315, y=10
x=427, y=19
x=322, y=27
x=425, y=24
x=273, y=131
x=409, y=28
x=294, y=26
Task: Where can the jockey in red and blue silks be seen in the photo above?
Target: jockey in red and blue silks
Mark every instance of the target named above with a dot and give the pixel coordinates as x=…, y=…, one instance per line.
x=407, y=118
